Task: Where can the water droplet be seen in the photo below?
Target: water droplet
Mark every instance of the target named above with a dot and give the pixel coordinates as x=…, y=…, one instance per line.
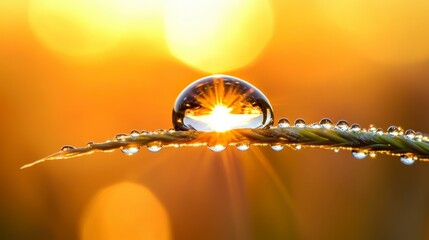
x=297, y=147
x=315, y=125
x=220, y=103
x=243, y=146
x=175, y=145
x=372, y=129
x=326, y=123
x=418, y=137
x=300, y=123
x=425, y=138
x=67, y=148
x=336, y=150
x=171, y=130
x=217, y=147
x=160, y=131
x=373, y=154
x=407, y=160
x=355, y=128
x=89, y=144
x=393, y=131
x=359, y=154
x=134, y=134
x=277, y=146
x=379, y=131
x=121, y=136
x=410, y=134
x=343, y=125
x=144, y=132
x=130, y=150
x=283, y=123
x=154, y=147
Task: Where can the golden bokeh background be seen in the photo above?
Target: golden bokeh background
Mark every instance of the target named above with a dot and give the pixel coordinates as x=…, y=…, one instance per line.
x=78, y=71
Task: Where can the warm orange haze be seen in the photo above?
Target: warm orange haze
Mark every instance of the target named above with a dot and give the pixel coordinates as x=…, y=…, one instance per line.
x=79, y=71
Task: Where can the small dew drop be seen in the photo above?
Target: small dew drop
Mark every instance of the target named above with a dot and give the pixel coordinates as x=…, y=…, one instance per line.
x=144, y=132
x=326, y=123
x=134, y=134
x=418, y=137
x=410, y=134
x=315, y=125
x=175, y=145
x=130, y=150
x=67, y=148
x=379, y=131
x=277, y=146
x=355, y=128
x=336, y=150
x=89, y=144
x=283, y=123
x=372, y=129
x=359, y=154
x=407, y=160
x=154, y=147
x=217, y=147
x=160, y=131
x=243, y=146
x=121, y=136
x=373, y=154
x=393, y=131
x=297, y=147
x=300, y=123
x=171, y=130
x=342, y=125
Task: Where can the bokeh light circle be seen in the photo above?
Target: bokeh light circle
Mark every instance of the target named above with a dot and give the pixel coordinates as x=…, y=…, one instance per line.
x=218, y=35
x=125, y=211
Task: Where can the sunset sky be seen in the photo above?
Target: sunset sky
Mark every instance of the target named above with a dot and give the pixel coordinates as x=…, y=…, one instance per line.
x=84, y=70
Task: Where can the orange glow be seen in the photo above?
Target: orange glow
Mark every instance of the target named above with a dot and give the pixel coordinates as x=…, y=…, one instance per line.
x=387, y=31
x=125, y=211
x=218, y=35
x=82, y=27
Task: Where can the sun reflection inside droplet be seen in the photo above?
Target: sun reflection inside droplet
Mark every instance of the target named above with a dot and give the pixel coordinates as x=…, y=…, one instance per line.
x=221, y=119
x=220, y=103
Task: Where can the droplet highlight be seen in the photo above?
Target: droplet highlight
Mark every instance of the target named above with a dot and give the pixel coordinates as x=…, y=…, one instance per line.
x=355, y=128
x=67, y=148
x=217, y=147
x=130, y=150
x=154, y=147
x=297, y=147
x=342, y=125
x=277, y=146
x=300, y=123
x=326, y=123
x=121, y=136
x=134, y=134
x=359, y=154
x=283, y=123
x=244, y=146
x=393, y=131
x=410, y=134
x=407, y=160
x=220, y=103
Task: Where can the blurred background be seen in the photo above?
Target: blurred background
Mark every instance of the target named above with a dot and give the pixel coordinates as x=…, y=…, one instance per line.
x=79, y=71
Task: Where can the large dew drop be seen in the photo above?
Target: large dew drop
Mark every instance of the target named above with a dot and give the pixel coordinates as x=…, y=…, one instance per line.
x=220, y=103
